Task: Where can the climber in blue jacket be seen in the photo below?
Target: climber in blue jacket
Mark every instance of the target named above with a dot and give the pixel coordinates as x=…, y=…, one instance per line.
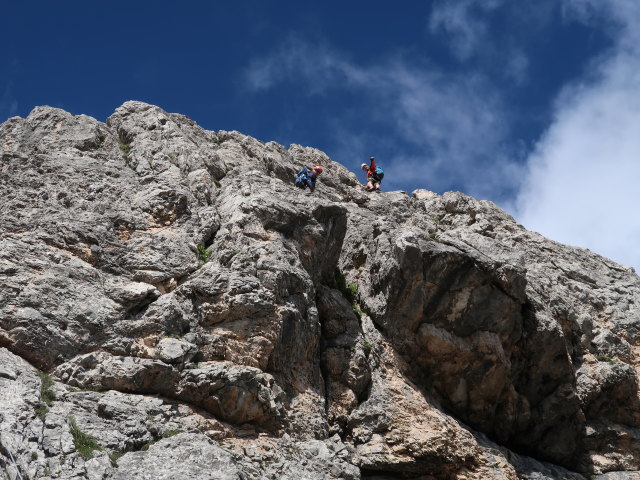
x=306, y=178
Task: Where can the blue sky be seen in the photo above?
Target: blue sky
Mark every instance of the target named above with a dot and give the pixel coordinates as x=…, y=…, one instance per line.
x=533, y=105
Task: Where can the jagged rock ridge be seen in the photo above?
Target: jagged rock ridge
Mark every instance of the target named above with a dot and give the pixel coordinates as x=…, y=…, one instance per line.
x=202, y=318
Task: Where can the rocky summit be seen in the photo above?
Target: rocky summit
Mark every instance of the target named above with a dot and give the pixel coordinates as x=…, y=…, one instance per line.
x=172, y=307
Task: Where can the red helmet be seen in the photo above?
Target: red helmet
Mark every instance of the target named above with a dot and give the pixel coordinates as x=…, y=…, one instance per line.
x=318, y=169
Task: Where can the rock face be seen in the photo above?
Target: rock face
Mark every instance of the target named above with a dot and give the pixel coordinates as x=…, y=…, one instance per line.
x=172, y=307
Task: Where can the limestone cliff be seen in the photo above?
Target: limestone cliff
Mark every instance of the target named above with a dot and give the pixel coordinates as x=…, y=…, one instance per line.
x=172, y=307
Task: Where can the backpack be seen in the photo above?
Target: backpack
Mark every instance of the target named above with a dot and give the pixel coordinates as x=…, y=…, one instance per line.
x=301, y=178
x=379, y=175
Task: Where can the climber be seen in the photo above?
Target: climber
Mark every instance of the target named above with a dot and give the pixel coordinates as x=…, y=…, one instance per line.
x=307, y=177
x=374, y=175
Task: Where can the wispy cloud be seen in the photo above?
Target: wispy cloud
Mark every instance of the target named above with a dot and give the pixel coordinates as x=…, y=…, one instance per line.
x=493, y=35
x=455, y=122
x=517, y=66
x=582, y=183
x=8, y=102
x=316, y=64
x=462, y=23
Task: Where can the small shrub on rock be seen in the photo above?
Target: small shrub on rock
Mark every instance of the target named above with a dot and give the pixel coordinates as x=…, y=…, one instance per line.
x=85, y=444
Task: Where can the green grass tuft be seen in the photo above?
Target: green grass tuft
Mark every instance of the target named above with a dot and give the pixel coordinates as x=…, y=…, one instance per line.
x=114, y=457
x=349, y=291
x=85, y=444
x=203, y=254
x=100, y=138
x=146, y=446
x=125, y=148
x=47, y=395
x=41, y=411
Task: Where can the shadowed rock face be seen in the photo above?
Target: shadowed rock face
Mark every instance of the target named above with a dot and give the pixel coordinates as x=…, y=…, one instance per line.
x=172, y=279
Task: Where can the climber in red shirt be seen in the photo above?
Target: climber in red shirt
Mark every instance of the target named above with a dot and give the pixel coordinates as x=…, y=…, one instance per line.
x=374, y=175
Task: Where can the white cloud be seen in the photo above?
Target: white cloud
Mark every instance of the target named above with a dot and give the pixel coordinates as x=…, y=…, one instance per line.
x=582, y=186
x=455, y=122
x=460, y=22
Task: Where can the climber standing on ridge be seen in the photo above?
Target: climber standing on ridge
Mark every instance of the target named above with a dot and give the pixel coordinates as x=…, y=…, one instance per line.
x=374, y=175
x=307, y=177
